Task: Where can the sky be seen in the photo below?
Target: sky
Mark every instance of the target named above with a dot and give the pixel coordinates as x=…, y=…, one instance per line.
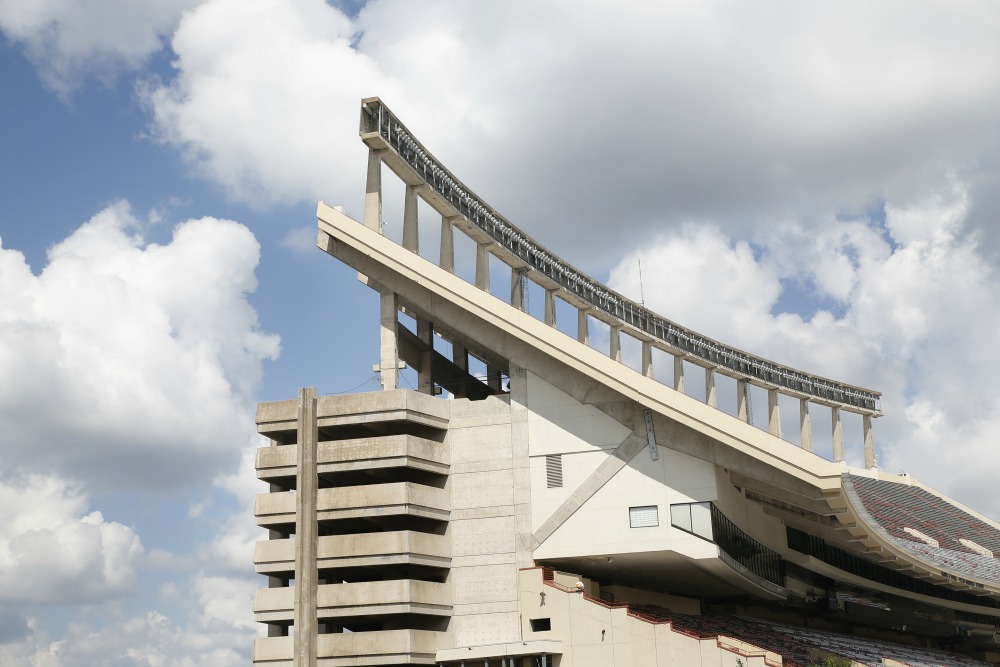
x=815, y=183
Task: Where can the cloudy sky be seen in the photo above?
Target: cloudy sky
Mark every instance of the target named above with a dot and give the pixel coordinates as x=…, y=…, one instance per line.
x=817, y=184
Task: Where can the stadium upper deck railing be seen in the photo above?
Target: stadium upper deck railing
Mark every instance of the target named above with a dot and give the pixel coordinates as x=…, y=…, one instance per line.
x=378, y=121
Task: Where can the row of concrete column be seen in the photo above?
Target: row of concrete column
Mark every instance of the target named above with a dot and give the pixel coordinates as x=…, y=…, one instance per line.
x=373, y=219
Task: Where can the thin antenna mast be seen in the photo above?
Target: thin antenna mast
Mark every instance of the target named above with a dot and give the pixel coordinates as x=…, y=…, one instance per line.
x=642, y=296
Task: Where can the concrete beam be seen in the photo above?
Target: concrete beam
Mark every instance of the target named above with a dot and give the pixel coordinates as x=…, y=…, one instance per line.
x=838, y=435
x=805, y=425
x=411, y=231
x=425, y=332
x=446, y=258
x=869, y=437
x=647, y=359
x=518, y=298
x=483, y=266
x=582, y=327
x=616, y=343
x=742, y=402
x=306, y=530
x=550, y=307
x=389, y=355
x=773, y=414
x=679, y=374
x=373, y=190
x=711, y=398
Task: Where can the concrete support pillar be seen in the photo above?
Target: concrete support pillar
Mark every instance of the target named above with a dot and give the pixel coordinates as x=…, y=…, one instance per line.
x=773, y=415
x=711, y=399
x=805, y=425
x=425, y=332
x=550, y=307
x=679, y=374
x=616, y=343
x=866, y=427
x=493, y=377
x=483, y=266
x=647, y=359
x=389, y=356
x=517, y=288
x=838, y=435
x=742, y=400
x=411, y=228
x=460, y=356
x=582, y=327
x=373, y=191
x=447, y=257
x=306, y=537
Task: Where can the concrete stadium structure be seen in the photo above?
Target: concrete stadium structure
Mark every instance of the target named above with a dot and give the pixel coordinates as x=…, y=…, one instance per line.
x=567, y=509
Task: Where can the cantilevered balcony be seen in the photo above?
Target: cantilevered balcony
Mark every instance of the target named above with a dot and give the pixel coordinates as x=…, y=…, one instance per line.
x=398, y=547
x=368, y=598
x=393, y=451
x=350, y=502
x=383, y=647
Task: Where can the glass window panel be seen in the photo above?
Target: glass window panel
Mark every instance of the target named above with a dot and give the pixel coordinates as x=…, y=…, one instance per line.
x=680, y=516
x=701, y=520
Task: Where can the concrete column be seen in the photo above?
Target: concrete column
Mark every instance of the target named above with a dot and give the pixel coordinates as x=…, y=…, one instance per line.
x=550, y=307
x=866, y=427
x=647, y=358
x=616, y=343
x=517, y=295
x=582, y=327
x=460, y=356
x=679, y=374
x=483, y=266
x=742, y=405
x=425, y=332
x=389, y=356
x=447, y=257
x=493, y=377
x=373, y=191
x=838, y=436
x=411, y=231
x=711, y=399
x=773, y=415
x=306, y=588
x=805, y=425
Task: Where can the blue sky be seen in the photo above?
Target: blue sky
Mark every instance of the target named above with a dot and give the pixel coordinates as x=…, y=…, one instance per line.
x=815, y=184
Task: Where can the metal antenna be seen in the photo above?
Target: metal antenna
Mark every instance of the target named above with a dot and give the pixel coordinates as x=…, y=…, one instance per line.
x=642, y=296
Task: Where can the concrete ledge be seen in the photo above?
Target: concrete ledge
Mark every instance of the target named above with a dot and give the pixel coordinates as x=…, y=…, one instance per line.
x=358, y=501
x=546, y=646
x=365, y=549
x=384, y=647
x=398, y=596
x=358, y=454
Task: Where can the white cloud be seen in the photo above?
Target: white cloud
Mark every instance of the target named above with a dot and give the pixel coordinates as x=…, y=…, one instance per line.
x=67, y=39
x=918, y=322
x=645, y=116
x=54, y=550
x=131, y=365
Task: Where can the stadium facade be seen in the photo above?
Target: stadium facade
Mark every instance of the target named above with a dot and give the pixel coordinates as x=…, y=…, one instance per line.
x=569, y=509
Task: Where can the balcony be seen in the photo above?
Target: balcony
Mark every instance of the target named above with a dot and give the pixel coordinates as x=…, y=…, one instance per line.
x=368, y=598
x=383, y=647
x=393, y=451
x=366, y=549
x=349, y=502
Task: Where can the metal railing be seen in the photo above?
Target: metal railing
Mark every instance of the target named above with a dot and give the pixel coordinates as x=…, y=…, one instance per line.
x=376, y=118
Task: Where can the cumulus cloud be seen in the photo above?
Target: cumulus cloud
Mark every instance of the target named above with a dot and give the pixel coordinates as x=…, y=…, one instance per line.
x=629, y=116
x=53, y=549
x=67, y=39
x=131, y=364
x=916, y=317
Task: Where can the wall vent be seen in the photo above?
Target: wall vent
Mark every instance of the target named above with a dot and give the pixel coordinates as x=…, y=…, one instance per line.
x=553, y=471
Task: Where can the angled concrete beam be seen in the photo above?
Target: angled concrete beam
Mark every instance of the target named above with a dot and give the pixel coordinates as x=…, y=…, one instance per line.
x=711, y=399
x=742, y=404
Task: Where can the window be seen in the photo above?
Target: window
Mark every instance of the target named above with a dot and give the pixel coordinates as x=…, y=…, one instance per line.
x=694, y=518
x=646, y=516
x=541, y=624
x=553, y=471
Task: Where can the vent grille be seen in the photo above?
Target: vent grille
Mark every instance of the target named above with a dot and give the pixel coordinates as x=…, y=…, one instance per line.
x=647, y=516
x=553, y=471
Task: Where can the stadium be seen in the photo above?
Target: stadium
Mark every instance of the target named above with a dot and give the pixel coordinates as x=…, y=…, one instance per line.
x=534, y=500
